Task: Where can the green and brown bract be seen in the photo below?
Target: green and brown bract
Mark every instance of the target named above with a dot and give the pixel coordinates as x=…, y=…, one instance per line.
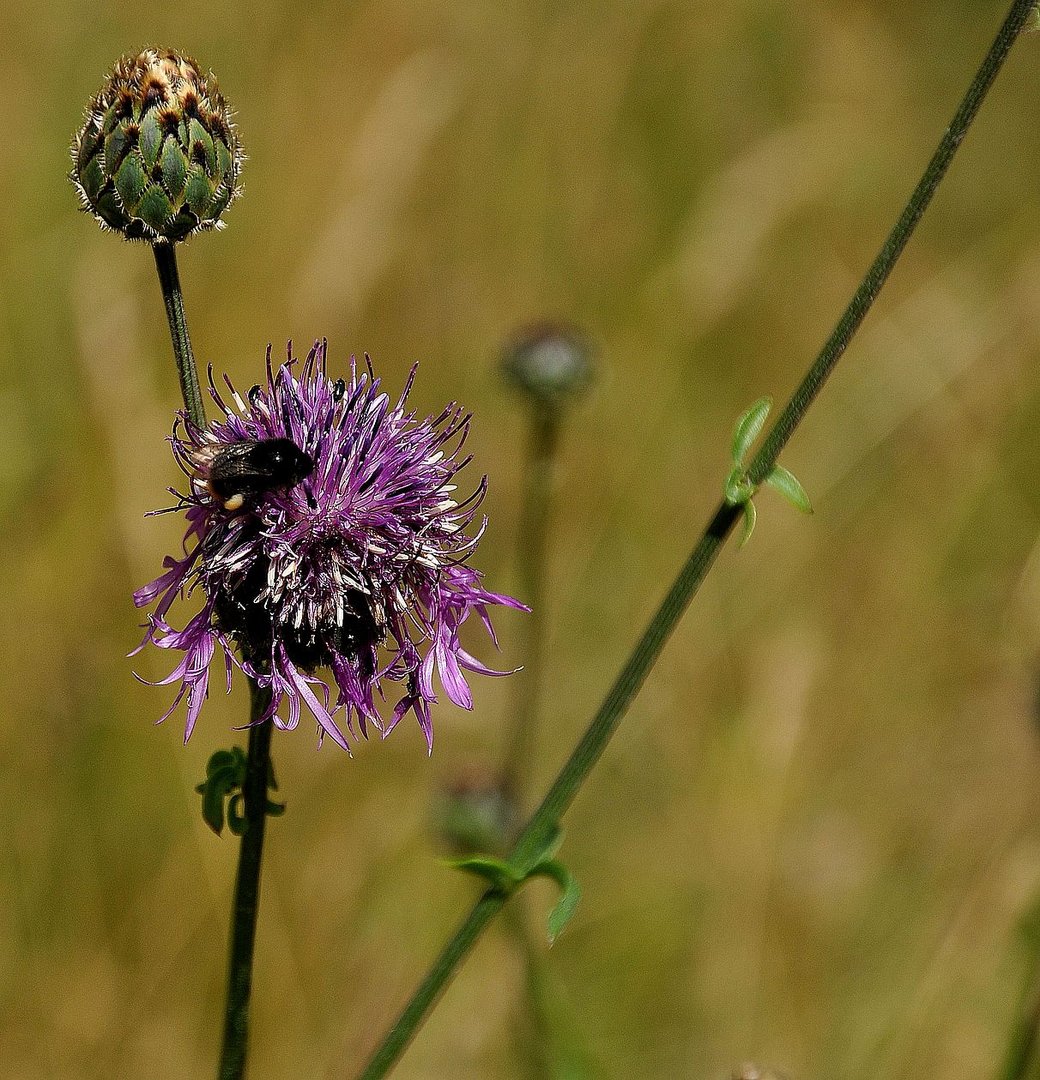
x=157, y=157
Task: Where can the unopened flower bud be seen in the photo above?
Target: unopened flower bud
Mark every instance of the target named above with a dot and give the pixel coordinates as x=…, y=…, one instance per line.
x=473, y=814
x=550, y=362
x=157, y=157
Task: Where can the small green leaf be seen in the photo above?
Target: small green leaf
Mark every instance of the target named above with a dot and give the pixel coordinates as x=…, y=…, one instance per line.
x=497, y=872
x=748, y=428
x=274, y=809
x=738, y=488
x=225, y=773
x=570, y=891
x=213, y=807
x=750, y=517
x=787, y=484
x=221, y=760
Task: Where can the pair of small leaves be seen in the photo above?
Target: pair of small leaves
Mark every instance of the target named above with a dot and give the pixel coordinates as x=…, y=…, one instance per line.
x=506, y=877
x=222, y=795
x=740, y=490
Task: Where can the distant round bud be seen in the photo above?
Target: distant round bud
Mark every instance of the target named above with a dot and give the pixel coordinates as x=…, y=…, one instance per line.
x=157, y=157
x=473, y=814
x=550, y=362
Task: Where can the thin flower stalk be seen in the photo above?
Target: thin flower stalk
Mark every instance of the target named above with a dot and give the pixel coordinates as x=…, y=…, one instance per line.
x=246, y=902
x=531, y=560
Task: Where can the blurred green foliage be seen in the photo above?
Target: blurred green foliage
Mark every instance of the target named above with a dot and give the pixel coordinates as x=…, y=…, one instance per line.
x=816, y=832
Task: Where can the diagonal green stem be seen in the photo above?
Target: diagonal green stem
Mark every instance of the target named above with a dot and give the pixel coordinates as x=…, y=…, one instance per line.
x=486, y=908
x=173, y=298
x=605, y=723
x=247, y=890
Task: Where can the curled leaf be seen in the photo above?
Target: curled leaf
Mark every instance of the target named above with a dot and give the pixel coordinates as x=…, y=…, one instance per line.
x=570, y=894
x=497, y=872
x=221, y=791
x=750, y=517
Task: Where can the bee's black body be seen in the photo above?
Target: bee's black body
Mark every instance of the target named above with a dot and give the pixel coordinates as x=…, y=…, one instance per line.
x=240, y=470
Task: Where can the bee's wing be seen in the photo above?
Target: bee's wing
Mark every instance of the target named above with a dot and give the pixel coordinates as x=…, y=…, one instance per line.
x=238, y=459
x=201, y=458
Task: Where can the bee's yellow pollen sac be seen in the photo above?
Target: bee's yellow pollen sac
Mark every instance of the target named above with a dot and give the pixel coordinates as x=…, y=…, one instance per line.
x=236, y=502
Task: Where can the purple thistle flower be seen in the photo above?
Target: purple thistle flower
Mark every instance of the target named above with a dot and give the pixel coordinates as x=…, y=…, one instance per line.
x=341, y=549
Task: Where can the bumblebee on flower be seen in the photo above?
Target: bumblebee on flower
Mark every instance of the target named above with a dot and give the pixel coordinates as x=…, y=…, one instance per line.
x=324, y=534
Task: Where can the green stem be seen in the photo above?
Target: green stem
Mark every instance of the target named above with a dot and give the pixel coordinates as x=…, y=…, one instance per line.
x=545, y=819
x=486, y=908
x=543, y=445
x=173, y=298
x=534, y=531
x=247, y=890
x=258, y=757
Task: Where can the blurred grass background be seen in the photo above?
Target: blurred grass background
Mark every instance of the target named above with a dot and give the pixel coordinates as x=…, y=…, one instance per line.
x=814, y=838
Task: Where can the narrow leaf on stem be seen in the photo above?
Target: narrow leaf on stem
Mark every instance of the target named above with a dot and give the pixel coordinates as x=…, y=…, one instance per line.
x=780, y=479
x=564, y=909
x=748, y=428
x=750, y=517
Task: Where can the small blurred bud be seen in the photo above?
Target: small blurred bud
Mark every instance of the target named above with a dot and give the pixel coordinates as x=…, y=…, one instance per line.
x=473, y=814
x=550, y=362
x=157, y=157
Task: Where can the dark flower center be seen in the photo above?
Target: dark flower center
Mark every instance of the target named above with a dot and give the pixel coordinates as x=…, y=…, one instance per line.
x=243, y=612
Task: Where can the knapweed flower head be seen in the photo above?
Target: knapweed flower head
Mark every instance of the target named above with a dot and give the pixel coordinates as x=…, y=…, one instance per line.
x=327, y=541
x=157, y=157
